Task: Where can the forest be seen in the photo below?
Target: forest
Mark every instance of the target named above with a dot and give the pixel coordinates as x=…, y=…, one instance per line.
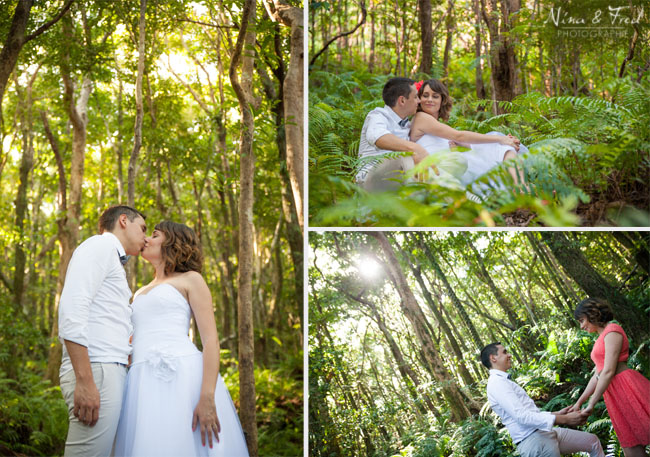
x=190, y=112
x=397, y=321
x=568, y=78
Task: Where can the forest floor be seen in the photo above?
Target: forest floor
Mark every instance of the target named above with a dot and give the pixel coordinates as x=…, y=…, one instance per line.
x=602, y=210
x=519, y=218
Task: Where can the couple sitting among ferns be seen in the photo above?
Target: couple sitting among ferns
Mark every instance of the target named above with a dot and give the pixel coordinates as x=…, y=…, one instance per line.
x=451, y=157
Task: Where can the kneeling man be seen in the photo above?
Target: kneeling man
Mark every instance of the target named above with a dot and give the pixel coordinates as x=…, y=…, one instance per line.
x=531, y=429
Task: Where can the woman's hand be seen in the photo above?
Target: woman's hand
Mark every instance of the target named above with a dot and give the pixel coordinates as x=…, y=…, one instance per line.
x=205, y=414
x=457, y=144
x=509, y=141
x=517, y=141
x=575, y=407
x=588, y=410
x=566, y=409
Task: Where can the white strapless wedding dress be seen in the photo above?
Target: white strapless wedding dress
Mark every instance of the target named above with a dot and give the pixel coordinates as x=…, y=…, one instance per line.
x=164, y=383
x=480, y=159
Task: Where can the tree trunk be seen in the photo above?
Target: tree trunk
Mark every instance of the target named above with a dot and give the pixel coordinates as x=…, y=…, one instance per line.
x=139, y=111
x=243, y=56
x=293, y=96
x=451, y=293
x=503, y=60
x=637, y=250
x=484, y=276
x=69, y=223
x=549, y=268
x=450, y=26
x=399, y=28
x=572, y=259
x=426, y=36
x=480, y=87
x=119, y=147
x=413, y=312
x=10, y=364
x=292, y=225
x=372, y=57
x=26, y=164
x=453, y=343
x=131, y=267
x=14, y=43
x=409, y=376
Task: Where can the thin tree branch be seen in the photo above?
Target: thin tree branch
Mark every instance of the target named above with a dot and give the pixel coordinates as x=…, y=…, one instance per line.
x=187, y=86
x=6, y=282
x=362, y=5
x=46, y=248
x=63, y=185
x=216, y=26
x=630, y=54
x=49, y=24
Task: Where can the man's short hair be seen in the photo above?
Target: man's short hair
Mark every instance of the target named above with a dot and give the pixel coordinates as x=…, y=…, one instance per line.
x=395, y=88
x=487, y=351
x=109, y=217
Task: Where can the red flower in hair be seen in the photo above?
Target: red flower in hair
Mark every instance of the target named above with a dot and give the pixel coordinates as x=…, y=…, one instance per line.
x=418, y=85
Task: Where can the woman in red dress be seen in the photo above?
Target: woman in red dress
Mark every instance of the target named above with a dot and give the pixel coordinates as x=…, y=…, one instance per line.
x=626, y=392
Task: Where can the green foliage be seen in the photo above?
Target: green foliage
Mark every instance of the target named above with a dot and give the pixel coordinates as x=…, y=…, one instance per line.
x=583, y=151
x=481, y=439
x=423, y=445
x=33, y=414
x=279, y=406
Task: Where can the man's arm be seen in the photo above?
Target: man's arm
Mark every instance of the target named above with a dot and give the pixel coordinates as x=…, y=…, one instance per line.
x=86, y=395
x=505, y=396
x=394, y=143
x=86, y=272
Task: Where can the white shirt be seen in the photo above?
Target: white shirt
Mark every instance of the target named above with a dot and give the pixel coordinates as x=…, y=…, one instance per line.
x=94, y=309
x=378, y=123
x=516, y=409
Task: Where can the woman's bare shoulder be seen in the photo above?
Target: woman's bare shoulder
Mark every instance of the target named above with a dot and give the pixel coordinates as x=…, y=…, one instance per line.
x=423, y=117
x=190, y=279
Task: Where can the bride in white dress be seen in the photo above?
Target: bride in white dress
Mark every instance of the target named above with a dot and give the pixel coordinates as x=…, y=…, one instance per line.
x=175, y=403
x=486, y=151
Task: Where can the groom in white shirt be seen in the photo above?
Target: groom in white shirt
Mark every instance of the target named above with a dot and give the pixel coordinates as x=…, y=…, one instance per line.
x=531, y=429
x=94, y=328
x=387, y=129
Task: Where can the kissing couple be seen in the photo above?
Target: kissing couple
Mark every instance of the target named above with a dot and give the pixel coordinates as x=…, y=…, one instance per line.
x=389, y=128
x=159, y=395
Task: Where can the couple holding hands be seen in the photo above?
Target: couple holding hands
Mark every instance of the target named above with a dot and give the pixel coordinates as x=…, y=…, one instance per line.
x=626, y=393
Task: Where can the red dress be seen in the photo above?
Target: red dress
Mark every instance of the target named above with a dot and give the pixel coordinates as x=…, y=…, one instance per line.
x=627, y=397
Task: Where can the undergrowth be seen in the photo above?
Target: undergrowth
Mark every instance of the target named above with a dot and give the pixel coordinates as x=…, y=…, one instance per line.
x=588, y=163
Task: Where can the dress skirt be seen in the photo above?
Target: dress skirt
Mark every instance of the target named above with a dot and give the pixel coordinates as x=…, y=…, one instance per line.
x=156, y=420
x=628, y=403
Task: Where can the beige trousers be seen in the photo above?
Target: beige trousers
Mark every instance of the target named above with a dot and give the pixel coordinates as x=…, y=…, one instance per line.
x=560, y=441
x=387, y=175
x=85, y=441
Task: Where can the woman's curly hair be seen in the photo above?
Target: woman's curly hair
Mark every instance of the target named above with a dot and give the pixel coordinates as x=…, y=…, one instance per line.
x=445, y=98
x=181, y=249
x=596, y=310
